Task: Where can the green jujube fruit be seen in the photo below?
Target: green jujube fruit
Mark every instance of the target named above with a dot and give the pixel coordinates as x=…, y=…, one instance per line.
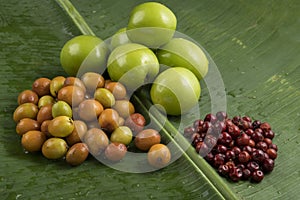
x=61, y=108
x=180, y=52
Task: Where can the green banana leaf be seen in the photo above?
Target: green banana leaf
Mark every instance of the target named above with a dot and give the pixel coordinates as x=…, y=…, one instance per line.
x=256, y=46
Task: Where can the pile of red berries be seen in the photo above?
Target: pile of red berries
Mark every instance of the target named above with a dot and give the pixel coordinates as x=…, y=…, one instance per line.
x=239, y=148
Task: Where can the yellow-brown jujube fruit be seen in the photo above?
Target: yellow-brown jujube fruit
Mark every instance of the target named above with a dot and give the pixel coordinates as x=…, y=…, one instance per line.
x=32, y=141
x=159, y=156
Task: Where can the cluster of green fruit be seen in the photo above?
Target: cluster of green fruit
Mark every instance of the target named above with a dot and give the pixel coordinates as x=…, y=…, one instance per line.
x=147, y=51
x=73, y=117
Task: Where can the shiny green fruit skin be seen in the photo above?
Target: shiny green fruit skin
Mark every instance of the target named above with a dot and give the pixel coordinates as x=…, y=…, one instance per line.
x=54, y=148
x=151, y=24
x=176, y=89
x=61, y=108
x=119, y=38
x=46, y=100
x=84, y=50
x=180, y=52
x=56, y=84
x=61, y=126
x=122, y=134
x=132, y=65
x=105, y=97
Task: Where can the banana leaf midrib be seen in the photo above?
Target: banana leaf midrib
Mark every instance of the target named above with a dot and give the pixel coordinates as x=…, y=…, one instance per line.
x=199, y=164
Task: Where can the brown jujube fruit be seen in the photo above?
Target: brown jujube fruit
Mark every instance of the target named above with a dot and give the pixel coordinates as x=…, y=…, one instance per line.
x=124, y=107
x=28, y=96
x=147, y=138
x=73, y=95
x=41, y=86
x=159, y=156
x=26, y=125
x=44, y=128
x=78, y=133
x=75, y=82
x=92, y=81
x=32, y=141
x=26, y=110
x=77, y=154
x=89, y=110
x=96, y=141
x=115, y=151
x=117, y=89
x=135, y=122
x=109, y=120
x=45, y=113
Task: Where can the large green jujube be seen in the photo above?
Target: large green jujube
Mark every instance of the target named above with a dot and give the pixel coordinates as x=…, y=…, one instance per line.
x=84, y=53
x=133, y=65
x=151, y=24
x=176, y=90
x=180, y=52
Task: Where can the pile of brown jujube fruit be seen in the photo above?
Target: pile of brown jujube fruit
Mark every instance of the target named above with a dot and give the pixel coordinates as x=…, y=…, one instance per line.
x=70, y=117
x=239, y=148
